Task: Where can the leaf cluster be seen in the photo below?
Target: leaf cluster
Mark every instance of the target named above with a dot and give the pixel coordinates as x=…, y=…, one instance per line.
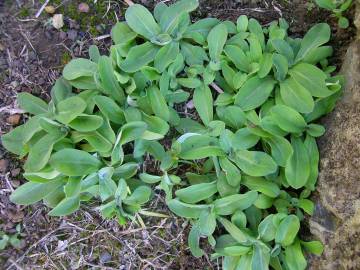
x=250, y=161
x=337, y=7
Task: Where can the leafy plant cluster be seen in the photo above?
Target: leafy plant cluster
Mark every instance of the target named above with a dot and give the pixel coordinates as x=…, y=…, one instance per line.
x=240, y=167
x=337, y=7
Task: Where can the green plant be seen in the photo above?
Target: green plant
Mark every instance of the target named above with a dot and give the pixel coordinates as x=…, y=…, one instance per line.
x=247, y=166
x=337, y=7
x=12, y=239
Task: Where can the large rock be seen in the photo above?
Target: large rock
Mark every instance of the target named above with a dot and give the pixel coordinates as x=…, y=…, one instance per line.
x=336, y=220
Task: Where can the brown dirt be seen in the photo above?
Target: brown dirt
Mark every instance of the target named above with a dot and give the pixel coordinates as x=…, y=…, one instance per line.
x=31, y=58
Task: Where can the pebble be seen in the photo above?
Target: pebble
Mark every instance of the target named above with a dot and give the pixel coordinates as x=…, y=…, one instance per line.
x=58, y=21
x=3, y=165
x=83, y=7
x=50, y=9
x=2, y=47
x=105, y=257
x=13, y=119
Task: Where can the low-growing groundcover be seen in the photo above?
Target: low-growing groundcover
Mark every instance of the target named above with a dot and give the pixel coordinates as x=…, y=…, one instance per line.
x=241, y=170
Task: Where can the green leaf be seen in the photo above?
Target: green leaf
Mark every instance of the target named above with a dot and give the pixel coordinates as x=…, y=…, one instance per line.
x=313, y=153
x=86, y=123
x=139, y=56
x=203, y=102
x=110, y=109
x=30, y=192
x=186, y=210
x=140, y=196
x=294, y=258
x=260, y=258
x=314, y=247
x=122, y=34
x=232, y=173
x=141, y=21
x=266, y=63
x=288, y=119
x=166, y=55
x=94, y=53
x=296, y=96
x=207, y=223
x=287, y=230
x=230, y=204
x=193, y=242
x=109, y=81
x=318, y=35
x=79, y=67
x=233, y=116
x=343, y=22
x=281, y=66
x=244, y=139
x=267, y=229
x=315, y=130
x=170, y=19
x=66, y=207
x=60, y=91
x=297, y=170
x=196, y=193
x=216, y=41
x=194, y=55
x=254, y=92
x=40, y=153
x=189, y=82
x=283, y=48
x=240, y=236
x=254, y=163
x=242, y=23
x=13, y=141
x=74, y=162
x=262, y=185
x=31, y=104
x=131, y=131
x=255, y=52
x=281, y=149
x=307, y=206
x=311, y=78
x=149, y=179
x=70, y=108
x=158, y=103
x=238, y=57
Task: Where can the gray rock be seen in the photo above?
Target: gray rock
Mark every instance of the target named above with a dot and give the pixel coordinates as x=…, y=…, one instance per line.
x=336, y=221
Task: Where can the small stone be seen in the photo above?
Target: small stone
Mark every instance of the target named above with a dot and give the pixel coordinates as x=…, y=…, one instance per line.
x=3, y=165
x=105, y=257
x=15, y=172
x=2, y=47
x=58, y=21
x=13, y=119
x=50, y=9
x=83, y=7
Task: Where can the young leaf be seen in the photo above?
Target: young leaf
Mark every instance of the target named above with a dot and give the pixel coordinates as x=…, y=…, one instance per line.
x=281, y=149
x=79, y=67
x=318, y=35
x=186, y=210
x=254, y=163
x=287, y=230
x=30, y=192
x=158, y=103
x=294, y=258
x=66, y=207
x=139, y=56
x=230, y=204
x=86, y=123
x=288, y=119
x=262, y=185
x=193, y=242
x=216, y=41
x=141, y=21
x=31, y=104
x=122, y=34
x=166, y=55
x=110, y=109
x=297, y=170
x=70, y=108
x=254, y=92
x=296, y=96
x=74, y=162
x=196, y=193
x=203, y=102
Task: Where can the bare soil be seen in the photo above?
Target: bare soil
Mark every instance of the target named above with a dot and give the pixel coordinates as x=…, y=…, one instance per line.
x=32, y=55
